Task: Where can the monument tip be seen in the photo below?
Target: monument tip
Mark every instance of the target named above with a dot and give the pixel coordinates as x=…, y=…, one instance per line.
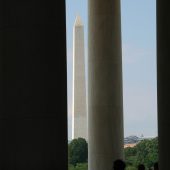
x=78, y=21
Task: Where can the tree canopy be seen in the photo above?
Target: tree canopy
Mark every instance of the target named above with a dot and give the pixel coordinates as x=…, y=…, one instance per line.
x=78, y=151
x=145, y=152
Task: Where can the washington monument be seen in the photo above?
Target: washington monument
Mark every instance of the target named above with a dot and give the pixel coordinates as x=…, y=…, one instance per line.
x=79, y=112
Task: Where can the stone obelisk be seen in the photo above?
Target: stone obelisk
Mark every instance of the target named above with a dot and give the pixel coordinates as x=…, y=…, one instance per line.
x=79, y=120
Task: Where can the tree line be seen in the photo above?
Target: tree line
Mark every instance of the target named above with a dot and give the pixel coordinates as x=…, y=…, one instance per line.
x=145, y=152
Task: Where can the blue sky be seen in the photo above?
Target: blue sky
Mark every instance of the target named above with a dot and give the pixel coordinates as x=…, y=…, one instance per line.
x=139, y=62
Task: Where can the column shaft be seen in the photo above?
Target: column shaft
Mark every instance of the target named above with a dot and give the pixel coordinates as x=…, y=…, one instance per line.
x=163, y=81
x=33, y=96
x=105, y=101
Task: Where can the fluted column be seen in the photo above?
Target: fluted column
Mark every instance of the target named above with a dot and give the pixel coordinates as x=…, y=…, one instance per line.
x=105, y=101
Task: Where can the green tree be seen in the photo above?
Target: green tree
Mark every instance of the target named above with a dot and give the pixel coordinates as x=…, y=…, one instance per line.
x=78, y=151
x=130, y=156
x=147, y=152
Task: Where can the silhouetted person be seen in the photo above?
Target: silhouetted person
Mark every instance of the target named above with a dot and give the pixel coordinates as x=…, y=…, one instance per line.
x=141, y=167
x=119, y=165
x=156, y=166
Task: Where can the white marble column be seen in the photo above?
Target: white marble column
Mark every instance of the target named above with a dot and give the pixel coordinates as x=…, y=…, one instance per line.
x=105, y=99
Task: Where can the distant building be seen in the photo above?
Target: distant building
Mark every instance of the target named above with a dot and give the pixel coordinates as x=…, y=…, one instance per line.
x=130, y=145
x=132, y=141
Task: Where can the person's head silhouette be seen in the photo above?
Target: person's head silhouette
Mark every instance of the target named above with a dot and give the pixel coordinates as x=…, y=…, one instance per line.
x=156, y=166
x=119, y=165
x=141, y=167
